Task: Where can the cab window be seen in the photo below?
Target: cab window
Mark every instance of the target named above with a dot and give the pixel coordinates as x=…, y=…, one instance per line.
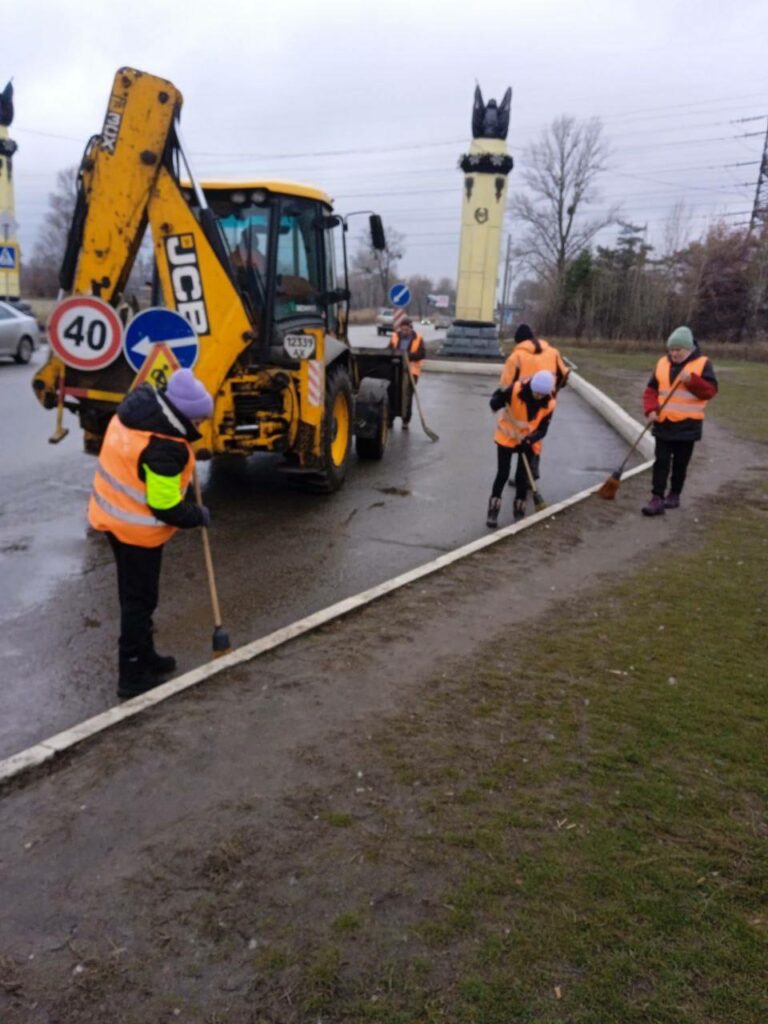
x=299, y=260
x=247, y=236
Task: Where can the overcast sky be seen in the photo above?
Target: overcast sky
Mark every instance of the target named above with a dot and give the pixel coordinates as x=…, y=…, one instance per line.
x=372, y=102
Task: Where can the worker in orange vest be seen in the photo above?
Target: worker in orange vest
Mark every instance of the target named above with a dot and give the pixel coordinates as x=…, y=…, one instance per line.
x=138, y=500
x=678, y=426
x=405, y=339
x=531, y=354
x=524, y=413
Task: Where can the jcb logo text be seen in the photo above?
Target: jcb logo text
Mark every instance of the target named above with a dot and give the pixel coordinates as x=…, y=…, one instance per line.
x=186, y=281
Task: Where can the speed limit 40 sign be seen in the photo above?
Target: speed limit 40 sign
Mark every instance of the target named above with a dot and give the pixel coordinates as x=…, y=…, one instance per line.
x=85, y=333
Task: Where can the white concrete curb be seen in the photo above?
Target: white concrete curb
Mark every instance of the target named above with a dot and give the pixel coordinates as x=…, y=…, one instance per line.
x=46, y=750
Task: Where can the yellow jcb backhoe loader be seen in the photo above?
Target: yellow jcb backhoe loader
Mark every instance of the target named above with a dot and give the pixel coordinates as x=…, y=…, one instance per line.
x=251, y=269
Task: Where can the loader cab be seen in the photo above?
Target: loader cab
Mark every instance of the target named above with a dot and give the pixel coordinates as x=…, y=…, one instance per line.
x=279, y=238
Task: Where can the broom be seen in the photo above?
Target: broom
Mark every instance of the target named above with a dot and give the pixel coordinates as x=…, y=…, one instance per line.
x=611, y=486
x=221, y=642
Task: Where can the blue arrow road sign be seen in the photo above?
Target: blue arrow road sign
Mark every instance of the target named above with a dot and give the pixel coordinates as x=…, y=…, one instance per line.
x=399, y=295
x=156, y=325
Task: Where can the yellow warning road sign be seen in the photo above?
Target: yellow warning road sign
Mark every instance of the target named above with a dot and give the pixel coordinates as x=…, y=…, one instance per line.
x=158, y=368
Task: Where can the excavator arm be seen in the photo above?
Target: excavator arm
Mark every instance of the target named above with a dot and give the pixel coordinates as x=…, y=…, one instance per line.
x=129, y=177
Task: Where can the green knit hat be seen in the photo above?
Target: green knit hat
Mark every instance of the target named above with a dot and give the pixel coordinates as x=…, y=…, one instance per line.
x=681, y=337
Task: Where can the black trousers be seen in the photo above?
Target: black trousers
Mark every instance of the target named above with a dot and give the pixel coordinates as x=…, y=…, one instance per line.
x=674, y=454
x=504, y=461
x=138, y=587
x=408, y=401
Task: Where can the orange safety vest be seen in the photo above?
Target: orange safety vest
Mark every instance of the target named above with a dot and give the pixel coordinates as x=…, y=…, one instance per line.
x=683, y=405
x=524, y=359
x=119, y=496
x=416, y=340
x=512, y=423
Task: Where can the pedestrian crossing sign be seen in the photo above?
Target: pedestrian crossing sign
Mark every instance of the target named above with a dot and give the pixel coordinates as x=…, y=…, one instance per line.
x=7, y=257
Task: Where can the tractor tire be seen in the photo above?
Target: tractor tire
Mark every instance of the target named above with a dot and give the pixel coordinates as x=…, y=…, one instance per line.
x=337, y=431
x=374, y=447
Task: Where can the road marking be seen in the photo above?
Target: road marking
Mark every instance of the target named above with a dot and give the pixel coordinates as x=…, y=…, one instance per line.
x=44, y=751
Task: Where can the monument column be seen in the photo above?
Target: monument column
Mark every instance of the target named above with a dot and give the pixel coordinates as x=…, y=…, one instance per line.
x=485, y=168
x=9, y=246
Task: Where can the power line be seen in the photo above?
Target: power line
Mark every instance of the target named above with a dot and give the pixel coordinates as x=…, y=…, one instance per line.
x=331, y=152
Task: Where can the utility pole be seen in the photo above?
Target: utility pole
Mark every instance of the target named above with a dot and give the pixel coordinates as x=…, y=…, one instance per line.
x=758, y=219
x=760, y=205
x=505, y=286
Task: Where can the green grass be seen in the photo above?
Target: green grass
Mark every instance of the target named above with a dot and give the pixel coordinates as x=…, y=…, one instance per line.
x=606, y=844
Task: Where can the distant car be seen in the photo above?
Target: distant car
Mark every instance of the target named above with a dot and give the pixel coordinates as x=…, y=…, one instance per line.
x=385, y=321
x=19, y=333
x=441, y=323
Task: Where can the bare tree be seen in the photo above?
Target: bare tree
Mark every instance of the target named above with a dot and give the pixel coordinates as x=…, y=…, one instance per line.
x=561, y=170
x=41, y=272
x=420, y=287
x=382, y=266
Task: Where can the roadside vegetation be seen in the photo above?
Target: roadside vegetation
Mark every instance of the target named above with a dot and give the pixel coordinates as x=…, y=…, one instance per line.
x=570, y=829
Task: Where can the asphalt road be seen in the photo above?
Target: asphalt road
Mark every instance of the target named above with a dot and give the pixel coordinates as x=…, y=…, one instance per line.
x=279, y=553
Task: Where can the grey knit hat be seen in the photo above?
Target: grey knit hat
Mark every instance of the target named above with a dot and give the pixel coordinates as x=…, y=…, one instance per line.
x=681, y=337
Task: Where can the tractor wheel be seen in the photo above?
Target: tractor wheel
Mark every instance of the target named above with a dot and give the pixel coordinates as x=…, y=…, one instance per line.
x=374, y=447
x=337, y=430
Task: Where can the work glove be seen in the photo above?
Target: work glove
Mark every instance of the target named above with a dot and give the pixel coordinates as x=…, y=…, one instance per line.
x=205, y=512
x=500, y=398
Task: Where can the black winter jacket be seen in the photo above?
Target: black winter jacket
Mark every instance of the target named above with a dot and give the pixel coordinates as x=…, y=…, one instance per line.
x=145, y=409
x=502, y=397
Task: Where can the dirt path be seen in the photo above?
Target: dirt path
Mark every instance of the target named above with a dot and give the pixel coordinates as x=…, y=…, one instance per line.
x=116, y=866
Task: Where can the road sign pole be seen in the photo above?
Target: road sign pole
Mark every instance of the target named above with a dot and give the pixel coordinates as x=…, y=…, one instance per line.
x=399, y=296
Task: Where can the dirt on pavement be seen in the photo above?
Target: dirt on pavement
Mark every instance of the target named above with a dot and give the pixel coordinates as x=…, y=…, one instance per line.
x=155, y=872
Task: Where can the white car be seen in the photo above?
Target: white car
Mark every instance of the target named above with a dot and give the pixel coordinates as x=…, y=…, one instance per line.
x=19, y=333
x=385, y=321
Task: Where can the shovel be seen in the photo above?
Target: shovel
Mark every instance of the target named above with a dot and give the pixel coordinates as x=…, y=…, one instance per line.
x=430, y=433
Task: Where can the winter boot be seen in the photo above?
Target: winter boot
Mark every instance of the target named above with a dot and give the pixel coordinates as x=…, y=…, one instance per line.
x=135, y=677
x=518, y=509
x=672, y=500
x=494, y=507
x=159, y=664
x=655, y=507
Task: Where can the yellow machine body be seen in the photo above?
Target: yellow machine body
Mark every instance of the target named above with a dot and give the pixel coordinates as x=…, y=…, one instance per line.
x=250, y=265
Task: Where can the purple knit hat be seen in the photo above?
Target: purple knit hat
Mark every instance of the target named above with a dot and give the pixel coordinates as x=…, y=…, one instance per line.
x=189, y=396
x=543, y=382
